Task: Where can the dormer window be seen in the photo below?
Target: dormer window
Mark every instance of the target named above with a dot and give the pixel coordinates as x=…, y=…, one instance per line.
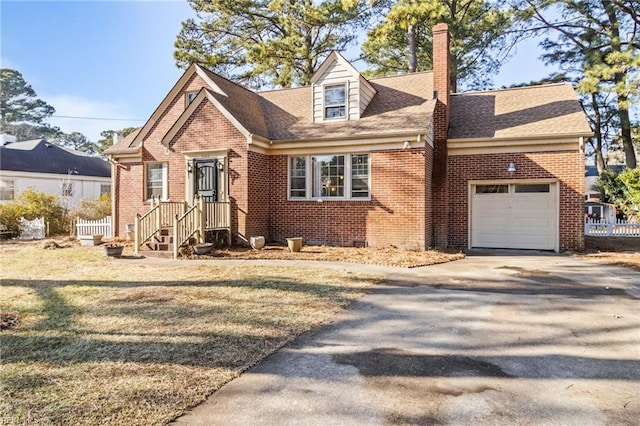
x=190, y=96
x=335, y=101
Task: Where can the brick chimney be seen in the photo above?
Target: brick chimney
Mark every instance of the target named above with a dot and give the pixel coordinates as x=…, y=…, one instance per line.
x=439, y=182
x=442, y=64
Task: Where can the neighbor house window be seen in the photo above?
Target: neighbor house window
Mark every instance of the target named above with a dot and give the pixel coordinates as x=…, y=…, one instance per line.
x=6, y=189
x=67, y=189
x=105, y=189
x=156, y=181
x=190, y=97
x=335, y=101
x=329, y=176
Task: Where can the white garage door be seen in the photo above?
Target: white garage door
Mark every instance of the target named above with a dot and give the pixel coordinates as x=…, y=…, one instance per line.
x=514, y=215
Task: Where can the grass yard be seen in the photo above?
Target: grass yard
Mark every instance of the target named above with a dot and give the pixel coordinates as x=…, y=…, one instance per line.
x=104, y=341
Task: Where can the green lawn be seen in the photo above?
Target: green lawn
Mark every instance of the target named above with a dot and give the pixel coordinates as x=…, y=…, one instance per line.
x=117, y=341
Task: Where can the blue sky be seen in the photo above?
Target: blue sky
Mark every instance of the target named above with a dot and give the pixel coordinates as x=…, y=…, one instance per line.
x=114, y=59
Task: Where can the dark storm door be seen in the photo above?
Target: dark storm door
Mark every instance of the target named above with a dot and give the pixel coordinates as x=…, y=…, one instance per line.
x=206, y=179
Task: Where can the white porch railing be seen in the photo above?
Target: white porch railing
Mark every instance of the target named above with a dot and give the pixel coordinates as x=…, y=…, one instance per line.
x=95, y=227
x=619, y=228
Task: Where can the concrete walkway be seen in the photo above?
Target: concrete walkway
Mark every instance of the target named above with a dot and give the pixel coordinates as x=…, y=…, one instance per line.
x=491, y=339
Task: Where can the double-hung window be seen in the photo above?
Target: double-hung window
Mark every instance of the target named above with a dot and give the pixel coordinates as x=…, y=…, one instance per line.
x=340, y=176
x=156, y=181
x=67, y=189
x=335, y=101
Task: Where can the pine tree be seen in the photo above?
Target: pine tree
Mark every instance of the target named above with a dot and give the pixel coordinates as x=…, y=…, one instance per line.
x=266, y=42
x=597, y=40
x=21, y=112
x=402, y=41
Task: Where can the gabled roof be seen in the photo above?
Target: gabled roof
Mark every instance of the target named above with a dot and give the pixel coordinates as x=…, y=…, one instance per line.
x=124, y=145
x=40, y=156
x=337, y=57
x=241, y=103
x=177, y=88
x=402, y=104
x=534, y=111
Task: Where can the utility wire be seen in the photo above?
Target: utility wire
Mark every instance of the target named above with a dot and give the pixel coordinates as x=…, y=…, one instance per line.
x=98, y=118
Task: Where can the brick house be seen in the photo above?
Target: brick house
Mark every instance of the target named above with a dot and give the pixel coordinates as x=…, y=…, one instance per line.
x=396, y=160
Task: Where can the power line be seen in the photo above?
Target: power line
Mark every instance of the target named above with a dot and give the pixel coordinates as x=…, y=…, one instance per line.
x=98, y=118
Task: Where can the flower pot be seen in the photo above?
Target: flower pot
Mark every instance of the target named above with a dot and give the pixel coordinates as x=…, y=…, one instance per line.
x=203, y=248
x=256, y=242
x=90, y=240
x=294, y=244
x=113, y=251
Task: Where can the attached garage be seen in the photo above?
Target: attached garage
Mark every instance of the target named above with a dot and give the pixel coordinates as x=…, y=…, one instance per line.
x=514, y=215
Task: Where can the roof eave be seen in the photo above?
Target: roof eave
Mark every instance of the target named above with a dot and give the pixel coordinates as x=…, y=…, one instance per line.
x=528, y=137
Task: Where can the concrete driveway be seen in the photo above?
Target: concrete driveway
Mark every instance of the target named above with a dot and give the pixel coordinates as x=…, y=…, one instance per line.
x=491, y=339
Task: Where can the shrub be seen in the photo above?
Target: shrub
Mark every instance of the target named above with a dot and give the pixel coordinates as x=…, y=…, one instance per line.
x=9, y=215
x=31, y=204
x=92, y=209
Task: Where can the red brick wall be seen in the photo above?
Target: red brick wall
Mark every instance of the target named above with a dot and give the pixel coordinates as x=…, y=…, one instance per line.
x=395, y=215
x=259, y=187
x=128, y=179
x=206, y=129
x=567, y=166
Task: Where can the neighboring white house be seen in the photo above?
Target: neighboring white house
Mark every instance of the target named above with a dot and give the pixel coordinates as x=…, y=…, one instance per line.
x=591, y=178
x=70, y=175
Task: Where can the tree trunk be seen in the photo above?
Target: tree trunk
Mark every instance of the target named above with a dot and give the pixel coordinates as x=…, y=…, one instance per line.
x=625, y=131
x=413, y=47
x=620, y=80
x=597, y=133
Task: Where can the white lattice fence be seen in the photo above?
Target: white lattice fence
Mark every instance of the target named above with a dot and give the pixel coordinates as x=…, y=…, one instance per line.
x=32, y=229
x=95, y=227
x=619, y=228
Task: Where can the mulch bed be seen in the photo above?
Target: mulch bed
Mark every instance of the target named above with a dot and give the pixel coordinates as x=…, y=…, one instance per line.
x=390, y=256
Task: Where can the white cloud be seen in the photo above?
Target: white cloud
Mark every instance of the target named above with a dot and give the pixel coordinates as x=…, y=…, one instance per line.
x=97, y=115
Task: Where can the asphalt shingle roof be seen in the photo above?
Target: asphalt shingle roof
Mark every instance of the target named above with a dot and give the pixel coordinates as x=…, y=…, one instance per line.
x=544, y=110
x=402, y=103
x=40, y=156
x=124, y=144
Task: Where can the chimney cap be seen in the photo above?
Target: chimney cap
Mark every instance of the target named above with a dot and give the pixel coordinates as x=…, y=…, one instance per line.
x=440, y=27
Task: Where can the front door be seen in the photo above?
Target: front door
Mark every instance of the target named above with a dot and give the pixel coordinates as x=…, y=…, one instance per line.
x=206, y=179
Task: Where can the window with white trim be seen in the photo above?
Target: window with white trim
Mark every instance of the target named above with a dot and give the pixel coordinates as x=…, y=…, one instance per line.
x=360, y=176
x=335, y=101
x=297, y=171
x=7, y=189
x=105, y=189
x=340, y=176
x=156, y=181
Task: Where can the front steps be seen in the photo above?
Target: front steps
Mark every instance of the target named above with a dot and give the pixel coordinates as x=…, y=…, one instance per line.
x=160, y=245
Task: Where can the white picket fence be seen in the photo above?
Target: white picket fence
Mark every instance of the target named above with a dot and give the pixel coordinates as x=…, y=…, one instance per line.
x=95, y=227
x=619, y=228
